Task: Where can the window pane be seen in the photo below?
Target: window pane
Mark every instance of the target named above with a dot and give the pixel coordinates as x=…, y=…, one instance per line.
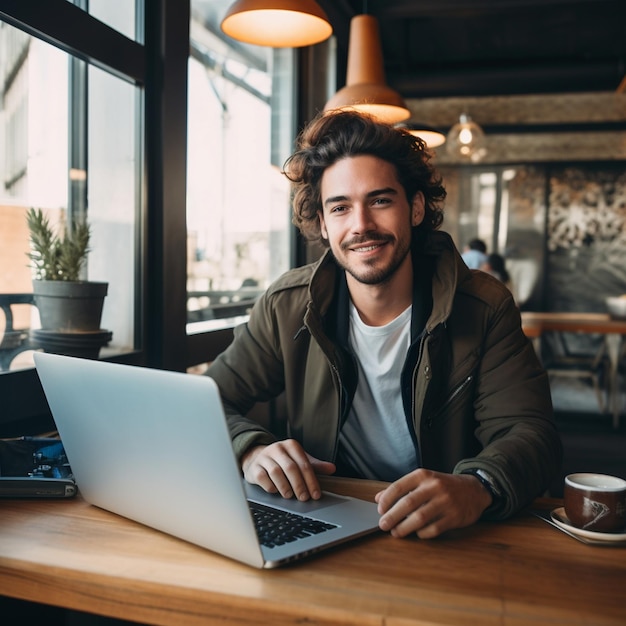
x=114, y=198
x=69, y=134
x=240, y=132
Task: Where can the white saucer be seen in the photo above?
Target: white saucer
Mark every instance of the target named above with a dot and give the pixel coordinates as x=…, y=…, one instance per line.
x=560, y=519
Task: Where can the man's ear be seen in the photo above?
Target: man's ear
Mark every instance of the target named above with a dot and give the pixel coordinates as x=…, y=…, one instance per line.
x=324, y=232
x=417, y=209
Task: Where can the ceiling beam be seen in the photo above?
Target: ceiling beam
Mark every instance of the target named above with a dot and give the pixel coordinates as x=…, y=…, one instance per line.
x=492, y=81
x=442, y=8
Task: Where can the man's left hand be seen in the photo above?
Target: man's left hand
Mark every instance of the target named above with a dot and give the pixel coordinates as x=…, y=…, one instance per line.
x=429, y=503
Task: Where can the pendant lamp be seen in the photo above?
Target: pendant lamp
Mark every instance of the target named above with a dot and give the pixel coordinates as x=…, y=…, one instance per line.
x=365, y=88
x=277, y=23
x=432, y=137
x=466, y=139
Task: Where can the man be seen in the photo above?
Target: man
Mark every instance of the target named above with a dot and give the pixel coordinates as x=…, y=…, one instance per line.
x=475, y=254
x=396, y=362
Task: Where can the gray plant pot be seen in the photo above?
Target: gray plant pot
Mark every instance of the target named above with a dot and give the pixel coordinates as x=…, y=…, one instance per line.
x=70, y=306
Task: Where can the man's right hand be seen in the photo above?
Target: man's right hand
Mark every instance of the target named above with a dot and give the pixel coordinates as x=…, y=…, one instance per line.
x=285, y=467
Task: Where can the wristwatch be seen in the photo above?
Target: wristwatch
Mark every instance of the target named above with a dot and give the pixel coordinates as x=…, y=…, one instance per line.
x=488, y=482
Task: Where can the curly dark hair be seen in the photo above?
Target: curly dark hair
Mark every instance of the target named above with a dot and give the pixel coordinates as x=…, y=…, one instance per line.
x=335, y=135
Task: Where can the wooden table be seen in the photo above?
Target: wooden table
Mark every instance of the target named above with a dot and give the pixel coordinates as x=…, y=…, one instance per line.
x=522, y=571
x=535, y=323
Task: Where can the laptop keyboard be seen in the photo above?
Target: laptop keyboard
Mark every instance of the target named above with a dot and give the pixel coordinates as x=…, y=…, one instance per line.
x=275, y=527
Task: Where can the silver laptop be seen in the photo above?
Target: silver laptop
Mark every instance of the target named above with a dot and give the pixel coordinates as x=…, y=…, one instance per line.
x=154, y=446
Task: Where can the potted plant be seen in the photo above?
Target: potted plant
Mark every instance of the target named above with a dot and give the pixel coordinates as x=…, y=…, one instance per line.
x=67, y=304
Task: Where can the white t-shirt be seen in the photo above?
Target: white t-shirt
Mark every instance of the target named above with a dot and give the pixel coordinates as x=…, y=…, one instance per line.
x=375, y=439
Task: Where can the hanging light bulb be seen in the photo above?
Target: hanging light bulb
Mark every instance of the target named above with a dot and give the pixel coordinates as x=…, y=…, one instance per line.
x=277, y=23
x=466, y=139
x=365, y=88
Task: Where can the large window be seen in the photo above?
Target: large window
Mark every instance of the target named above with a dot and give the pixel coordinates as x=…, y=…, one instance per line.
x=191, y=221
x=241, y=129
x=73, y=106
x=71, y=147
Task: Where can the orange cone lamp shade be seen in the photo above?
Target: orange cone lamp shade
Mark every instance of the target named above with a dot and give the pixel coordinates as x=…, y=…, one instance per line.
x=365, y=88
x=277, y=23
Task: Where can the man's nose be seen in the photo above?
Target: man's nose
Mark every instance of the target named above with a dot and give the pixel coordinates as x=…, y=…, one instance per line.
x=362, y=219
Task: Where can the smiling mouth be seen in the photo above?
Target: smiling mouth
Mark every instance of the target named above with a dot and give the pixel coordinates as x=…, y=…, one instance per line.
x=367, y=248
x=365, y=245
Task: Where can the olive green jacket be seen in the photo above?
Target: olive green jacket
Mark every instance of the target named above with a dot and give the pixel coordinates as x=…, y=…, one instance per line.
x=474, y=392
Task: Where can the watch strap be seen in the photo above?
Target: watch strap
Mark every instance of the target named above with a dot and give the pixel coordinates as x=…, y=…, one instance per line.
x=487, y=482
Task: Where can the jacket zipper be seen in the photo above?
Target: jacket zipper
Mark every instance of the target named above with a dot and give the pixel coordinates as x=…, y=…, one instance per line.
x=448, y=402
x=340, y=409
x=413, y=426
x=335, y=371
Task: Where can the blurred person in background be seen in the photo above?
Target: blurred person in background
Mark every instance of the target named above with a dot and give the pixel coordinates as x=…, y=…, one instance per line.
x=475, y=254
x=495, y=264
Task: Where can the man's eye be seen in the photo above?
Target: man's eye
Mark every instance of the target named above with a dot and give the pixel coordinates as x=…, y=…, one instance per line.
x=381, y=201
x=338, y=209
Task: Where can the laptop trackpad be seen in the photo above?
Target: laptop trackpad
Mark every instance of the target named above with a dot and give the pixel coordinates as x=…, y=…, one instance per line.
x=258, y=494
